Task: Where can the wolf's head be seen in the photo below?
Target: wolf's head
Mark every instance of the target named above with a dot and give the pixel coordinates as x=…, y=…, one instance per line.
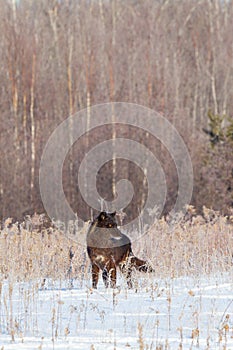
x=107, y=220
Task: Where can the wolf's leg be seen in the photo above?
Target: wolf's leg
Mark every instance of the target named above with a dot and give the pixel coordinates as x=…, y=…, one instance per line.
x=95, y=275
x=126, y=269
x=129, y=277
x=105, y=277
x=112, y=273
x=109, y=274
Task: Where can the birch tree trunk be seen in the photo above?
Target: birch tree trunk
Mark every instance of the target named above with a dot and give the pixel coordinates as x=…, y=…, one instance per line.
x=112, y=96
x=33, y=147
x=212, y=71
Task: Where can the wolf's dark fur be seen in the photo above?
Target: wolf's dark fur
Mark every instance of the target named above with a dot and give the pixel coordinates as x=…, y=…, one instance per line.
x=108, y=248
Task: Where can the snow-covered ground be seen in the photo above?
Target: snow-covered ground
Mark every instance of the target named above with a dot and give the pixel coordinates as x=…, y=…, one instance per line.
x=179, y=313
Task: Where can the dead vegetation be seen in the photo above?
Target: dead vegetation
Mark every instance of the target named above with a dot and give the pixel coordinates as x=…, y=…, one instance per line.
x=195, y=246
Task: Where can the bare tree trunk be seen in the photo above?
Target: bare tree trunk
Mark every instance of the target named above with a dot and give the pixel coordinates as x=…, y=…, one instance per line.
x=149, y=92
x=25, y=123
x=102, y=42
x=196, y=89
x=53, y=22
x=69, y=73
x=71, y=110
x=33, y=148
x=15, y=93
x=212, y=71
x=15, y=100
x=177, y=83
x=87, y=137
x=14, y=10
x=112, y=97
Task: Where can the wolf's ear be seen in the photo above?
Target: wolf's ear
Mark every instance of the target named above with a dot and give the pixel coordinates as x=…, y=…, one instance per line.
x=102, y=216
x=113, y=214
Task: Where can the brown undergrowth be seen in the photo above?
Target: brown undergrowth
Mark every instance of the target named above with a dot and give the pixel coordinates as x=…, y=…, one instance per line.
x=181, y=247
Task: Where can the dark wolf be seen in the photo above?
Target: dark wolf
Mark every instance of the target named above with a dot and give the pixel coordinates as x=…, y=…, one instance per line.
x=108, y=248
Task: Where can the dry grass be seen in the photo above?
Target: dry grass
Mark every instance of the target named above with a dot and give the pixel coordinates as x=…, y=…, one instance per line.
x=196, y=246
x=199, y=245
x=27, y=254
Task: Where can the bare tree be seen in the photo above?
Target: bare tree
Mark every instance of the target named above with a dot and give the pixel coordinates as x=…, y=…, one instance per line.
x=59, y=57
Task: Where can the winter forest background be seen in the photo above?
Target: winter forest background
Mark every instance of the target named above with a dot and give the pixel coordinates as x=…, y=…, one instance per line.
x=58, y=57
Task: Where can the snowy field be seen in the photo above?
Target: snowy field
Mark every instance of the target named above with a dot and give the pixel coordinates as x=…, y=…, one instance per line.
x=182, y=313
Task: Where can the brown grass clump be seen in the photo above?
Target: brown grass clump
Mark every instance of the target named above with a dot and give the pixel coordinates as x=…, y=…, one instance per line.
x=32, y=252
x=197, y=245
